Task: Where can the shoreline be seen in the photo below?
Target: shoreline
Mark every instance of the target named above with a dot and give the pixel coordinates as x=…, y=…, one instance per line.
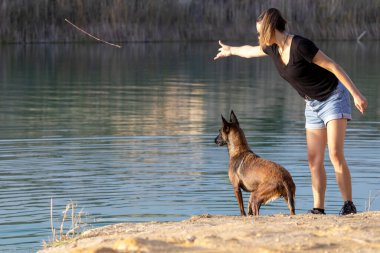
x=216, y=233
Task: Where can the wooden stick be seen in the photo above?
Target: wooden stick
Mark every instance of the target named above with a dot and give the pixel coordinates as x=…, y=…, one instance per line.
x=92, y=36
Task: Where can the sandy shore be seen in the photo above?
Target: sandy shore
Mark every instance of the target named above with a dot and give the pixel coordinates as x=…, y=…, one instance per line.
x=205, y=233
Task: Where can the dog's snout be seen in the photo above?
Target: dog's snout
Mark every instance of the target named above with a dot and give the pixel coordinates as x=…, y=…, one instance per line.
x=219, y=140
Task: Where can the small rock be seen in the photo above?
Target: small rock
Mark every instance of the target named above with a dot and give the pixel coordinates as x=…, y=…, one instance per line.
x=191, y=238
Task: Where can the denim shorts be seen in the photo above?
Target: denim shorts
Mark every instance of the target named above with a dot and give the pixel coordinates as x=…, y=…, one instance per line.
x=336, y=106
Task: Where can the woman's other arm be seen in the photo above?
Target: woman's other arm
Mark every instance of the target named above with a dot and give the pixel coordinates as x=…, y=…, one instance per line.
x=325, y=62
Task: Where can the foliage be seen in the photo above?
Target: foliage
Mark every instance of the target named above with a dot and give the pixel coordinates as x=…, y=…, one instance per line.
x=28, y=21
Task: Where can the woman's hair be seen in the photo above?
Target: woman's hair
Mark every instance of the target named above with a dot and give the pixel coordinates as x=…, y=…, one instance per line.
x=270, y=20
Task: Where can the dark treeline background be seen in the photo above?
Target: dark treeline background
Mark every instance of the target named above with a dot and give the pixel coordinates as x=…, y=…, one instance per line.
x=26, y=21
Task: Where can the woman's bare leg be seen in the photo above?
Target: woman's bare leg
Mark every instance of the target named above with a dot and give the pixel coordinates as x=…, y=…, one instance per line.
x=316, y=146
x=336, y=130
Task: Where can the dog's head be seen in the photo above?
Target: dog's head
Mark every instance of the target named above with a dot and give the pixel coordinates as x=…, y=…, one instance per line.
x=226, y=130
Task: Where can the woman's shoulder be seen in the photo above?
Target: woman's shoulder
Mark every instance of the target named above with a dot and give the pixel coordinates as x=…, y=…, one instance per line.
x=304, y=47
x=302, y=41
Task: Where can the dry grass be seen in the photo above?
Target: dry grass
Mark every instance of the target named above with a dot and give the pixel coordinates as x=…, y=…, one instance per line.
x=173, y=20
x=66, y=232
x=371, y=199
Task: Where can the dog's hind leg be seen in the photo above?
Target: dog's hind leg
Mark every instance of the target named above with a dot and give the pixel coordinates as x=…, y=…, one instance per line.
x=289, y=197
x=254, y=204
x=257, y=205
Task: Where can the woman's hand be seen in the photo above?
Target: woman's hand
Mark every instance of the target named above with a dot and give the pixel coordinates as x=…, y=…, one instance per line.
x=245, y=51
x=224, y=51
x=361, y=103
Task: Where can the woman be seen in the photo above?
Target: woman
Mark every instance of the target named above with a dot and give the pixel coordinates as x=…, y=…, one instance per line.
x=325, y=87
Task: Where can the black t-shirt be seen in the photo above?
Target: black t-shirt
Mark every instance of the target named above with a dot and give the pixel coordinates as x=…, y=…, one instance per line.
x=309, y=79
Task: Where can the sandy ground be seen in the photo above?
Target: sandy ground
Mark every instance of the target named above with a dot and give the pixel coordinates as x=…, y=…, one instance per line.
x=206, y=233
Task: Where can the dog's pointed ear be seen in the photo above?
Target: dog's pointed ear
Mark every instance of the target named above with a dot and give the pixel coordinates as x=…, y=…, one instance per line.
x=233, y=118
x=225, y=123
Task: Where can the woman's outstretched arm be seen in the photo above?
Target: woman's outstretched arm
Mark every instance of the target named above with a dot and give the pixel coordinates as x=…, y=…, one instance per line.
x=242, y=51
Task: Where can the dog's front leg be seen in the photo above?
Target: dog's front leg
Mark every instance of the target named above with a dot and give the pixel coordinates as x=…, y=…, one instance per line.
x=250, y=203
x=239, y=198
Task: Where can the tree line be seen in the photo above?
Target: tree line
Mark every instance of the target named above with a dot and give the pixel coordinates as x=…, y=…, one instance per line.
x=26, y=21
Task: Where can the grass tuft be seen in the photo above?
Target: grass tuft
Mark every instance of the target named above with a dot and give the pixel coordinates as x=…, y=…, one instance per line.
x=71, y=225
x=371, y=199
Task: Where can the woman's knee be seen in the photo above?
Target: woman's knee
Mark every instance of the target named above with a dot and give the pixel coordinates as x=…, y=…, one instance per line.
x=336, y=157
x=315, y=160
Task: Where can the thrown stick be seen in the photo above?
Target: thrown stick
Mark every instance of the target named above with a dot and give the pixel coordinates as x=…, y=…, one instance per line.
x=92, y=36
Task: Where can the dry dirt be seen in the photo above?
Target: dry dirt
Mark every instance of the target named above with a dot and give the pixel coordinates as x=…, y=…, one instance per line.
x=206, y=233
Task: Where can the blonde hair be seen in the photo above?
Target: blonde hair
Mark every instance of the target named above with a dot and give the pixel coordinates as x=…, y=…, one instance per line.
x=270, y=20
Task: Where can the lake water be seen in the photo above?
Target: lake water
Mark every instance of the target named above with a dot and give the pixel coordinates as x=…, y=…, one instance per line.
x=128, y=134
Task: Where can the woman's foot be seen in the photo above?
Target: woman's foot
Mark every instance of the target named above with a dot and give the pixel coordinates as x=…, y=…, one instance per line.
x=348, y=208
x=317, y=211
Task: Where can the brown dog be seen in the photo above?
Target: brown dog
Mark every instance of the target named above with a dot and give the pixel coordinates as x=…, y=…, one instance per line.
x=265, y=180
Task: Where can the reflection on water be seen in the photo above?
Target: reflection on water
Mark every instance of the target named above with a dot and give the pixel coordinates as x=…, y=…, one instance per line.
x=128, y=133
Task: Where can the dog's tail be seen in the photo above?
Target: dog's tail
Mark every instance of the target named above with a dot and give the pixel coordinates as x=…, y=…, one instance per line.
x=290, y=188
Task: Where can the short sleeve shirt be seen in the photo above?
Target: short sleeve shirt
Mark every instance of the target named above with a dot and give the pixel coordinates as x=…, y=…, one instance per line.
x=307, y=78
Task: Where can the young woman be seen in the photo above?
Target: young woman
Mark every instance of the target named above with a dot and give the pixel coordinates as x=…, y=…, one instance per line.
x=325, y=87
